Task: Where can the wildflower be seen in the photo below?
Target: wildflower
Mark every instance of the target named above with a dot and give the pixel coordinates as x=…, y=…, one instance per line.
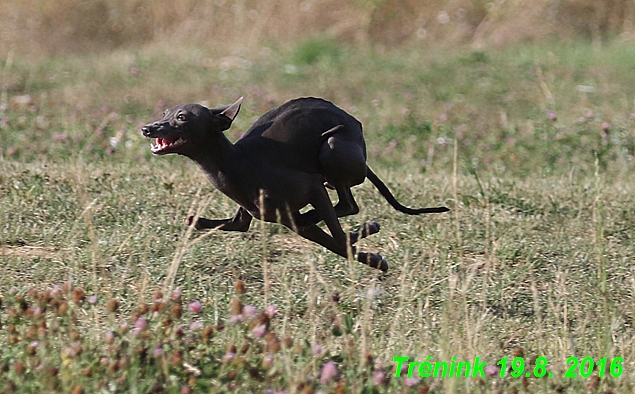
x=176, y=295
x=31, y=333
x=77, y=390
x=267, y=361
x=273, y=343
x=78, y=295
x=239, y=287
x=123, y=362
x=195, y=307
x=245, y=347
x=379, y=377
x=259, y=331
x=87, y=372
x=56, y=291
x=111, y=306
x=329, y=372
x=68, y=353
x=233, y=319
x=176, y=311
x=157, y=296
x=207, y=333
x=443, y=17
x=59, y=138
x=271, y=311
x=605, y=126
x=235, y=307
x=134, y=71
x=391, y=146
x=491, y=370
x=443, y=117
x=178, y=332
x=250, y=311
x=62, y=309
x=92, y=299
x=552, y=115
x=33, y=347
x=228, y=357
x=593, y=384
x=74, y=334
x=143, y=308
x=37, y=311
x=158, y=306
x=158, y=351
x=19, y=367
x=109, y=337
x=317, y=350
x=410, y=382
x=140, y=325
x=196, y=325
x=590, y=114
x=177, y=358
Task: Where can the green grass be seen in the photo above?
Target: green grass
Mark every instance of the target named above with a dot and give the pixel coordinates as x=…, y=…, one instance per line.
x=535, y=257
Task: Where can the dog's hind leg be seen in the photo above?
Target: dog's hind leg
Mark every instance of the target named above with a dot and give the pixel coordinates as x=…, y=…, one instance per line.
x=366, y=229
x=345, y=206
x=316, y=234
x=337, y=241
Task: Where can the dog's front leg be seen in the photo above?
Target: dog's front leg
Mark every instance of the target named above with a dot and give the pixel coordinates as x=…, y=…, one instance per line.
x=240, y=222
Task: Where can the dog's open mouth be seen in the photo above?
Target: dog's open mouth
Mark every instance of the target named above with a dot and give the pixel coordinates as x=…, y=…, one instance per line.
x=166, y=144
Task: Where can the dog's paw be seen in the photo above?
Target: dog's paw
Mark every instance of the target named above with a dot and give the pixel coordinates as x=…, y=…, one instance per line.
x=370, y=228
x=373, y=260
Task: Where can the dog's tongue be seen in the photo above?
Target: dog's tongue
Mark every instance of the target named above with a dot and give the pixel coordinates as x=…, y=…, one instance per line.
x=166, y=140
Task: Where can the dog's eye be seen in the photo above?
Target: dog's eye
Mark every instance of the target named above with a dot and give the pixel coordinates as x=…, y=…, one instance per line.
x=181, y=117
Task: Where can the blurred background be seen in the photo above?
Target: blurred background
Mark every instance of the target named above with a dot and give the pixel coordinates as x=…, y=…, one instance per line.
x=505, y=77
x=40, y=28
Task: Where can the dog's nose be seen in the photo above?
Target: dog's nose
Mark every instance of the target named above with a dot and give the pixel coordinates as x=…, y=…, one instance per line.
x=146, y=130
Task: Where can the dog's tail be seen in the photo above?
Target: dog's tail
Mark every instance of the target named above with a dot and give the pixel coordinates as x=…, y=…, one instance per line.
x=393, y=201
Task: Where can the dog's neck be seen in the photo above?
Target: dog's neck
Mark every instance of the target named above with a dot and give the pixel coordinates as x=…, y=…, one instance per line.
x=214, y=155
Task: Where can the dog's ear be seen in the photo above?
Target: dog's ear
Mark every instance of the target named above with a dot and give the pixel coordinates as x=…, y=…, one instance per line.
x=227, y=113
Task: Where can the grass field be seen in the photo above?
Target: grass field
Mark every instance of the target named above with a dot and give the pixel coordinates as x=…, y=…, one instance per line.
x=104, y=289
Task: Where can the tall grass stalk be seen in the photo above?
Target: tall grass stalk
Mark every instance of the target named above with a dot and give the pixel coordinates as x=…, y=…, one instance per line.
x=186, y=243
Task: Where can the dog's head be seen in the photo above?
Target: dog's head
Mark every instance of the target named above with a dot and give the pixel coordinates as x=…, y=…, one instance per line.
x=185, y=127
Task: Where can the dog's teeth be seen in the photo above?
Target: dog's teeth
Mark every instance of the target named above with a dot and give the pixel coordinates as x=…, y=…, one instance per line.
x=159, y=144
x=179, y=141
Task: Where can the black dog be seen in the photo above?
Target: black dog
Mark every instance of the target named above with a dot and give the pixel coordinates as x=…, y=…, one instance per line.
x=281, y=164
